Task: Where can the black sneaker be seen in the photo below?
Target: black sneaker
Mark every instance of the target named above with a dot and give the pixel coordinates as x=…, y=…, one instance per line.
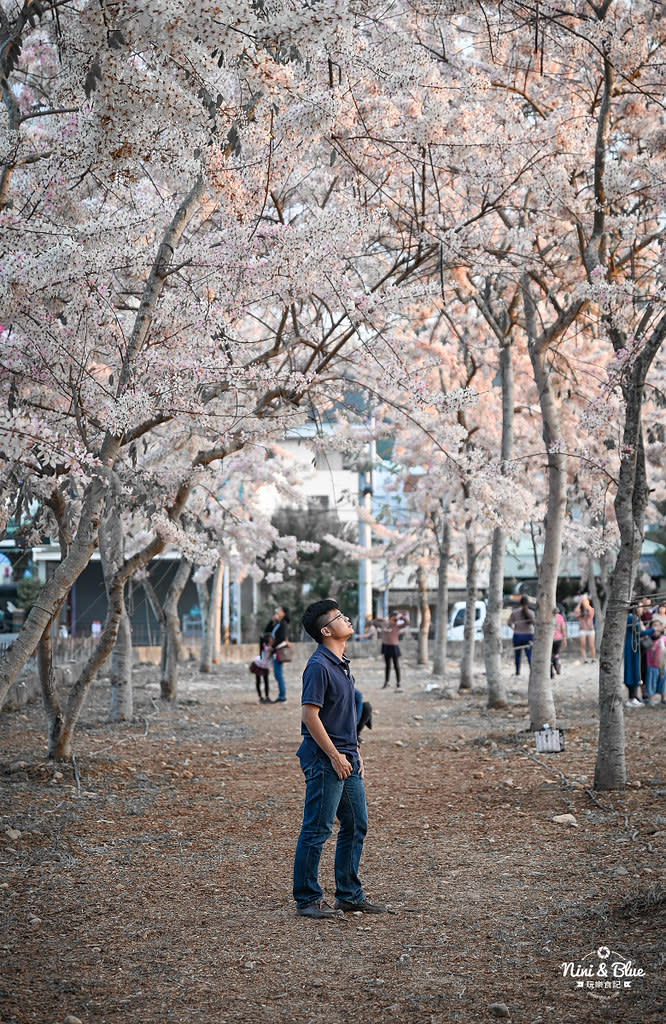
x=364, y=907
x=319, y=910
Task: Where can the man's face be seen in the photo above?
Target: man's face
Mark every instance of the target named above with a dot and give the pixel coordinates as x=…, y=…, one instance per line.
x=338, y=626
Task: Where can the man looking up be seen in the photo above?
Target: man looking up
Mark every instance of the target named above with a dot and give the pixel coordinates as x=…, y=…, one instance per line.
x=333, y=770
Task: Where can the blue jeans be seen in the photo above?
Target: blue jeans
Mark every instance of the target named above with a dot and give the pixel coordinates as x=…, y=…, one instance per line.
x=522, y=642
x=279, y=677
x=651, y=681
x=328, y=797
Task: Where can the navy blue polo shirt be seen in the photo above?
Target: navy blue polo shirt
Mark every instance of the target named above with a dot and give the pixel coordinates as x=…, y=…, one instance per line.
x=328, y=683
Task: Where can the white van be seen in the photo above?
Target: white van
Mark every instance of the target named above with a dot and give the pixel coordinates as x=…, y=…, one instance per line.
x=456, y=627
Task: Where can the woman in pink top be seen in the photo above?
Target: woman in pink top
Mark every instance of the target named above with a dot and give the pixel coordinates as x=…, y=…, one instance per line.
x=391, y=629
x=585, y=615
x=559, y=641
x=655, y=659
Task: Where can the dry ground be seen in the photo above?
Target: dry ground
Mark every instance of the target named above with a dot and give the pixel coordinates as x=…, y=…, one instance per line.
x=153, y=886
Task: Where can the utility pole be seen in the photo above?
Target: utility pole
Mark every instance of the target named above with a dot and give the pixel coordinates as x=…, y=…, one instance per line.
x=225, y=606
x=365, y=537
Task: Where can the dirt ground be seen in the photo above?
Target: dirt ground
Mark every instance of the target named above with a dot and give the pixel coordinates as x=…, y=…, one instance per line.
x=153, y=884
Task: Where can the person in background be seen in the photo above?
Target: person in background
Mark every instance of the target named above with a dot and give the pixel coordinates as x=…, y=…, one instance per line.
x=261, y=667
x=655, y=662
x=584, y=612
x=644, y=612
x=363, y=713
x=521, y=621
x=390, y=631
x=277, y=628
x=369, y=630
x=632, y=663
x=559, y=641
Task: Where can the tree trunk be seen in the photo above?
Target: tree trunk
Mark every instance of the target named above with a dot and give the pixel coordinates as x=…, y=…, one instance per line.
x=492, y=636
x=112, y=554
x=56, y=588
x=630, y=504
x=492, y=642
x=206, y=653
x=58, y=736
x=442, y=612
x=216, y=613
x=469, y=630
x=595, y=597
x=424, y=610
x=122, y=693
x=226, y=607
x=171, y=639
x=540, y=691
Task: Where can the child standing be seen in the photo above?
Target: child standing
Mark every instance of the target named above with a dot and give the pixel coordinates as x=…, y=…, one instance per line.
x=261, y=666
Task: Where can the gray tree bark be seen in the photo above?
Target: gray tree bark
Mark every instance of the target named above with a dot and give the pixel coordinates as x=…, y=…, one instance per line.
x=56, y=588
x=492, y=645
x=600, y=604
x=630, y=504
x=216, y=612
x=58, y=734
x=112, y=554
x=121, y=707
x=172, y=637
x=442, y=613
x=206, y=652
x=492, y=635
x=469, y=630
x=540, y=692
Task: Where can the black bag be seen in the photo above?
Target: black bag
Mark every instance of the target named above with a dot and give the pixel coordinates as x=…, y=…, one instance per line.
x=646, y=642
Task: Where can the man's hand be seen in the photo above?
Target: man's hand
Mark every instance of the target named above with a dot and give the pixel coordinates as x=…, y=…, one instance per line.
x=341, y=765
x=314, y=725
x=361, y=766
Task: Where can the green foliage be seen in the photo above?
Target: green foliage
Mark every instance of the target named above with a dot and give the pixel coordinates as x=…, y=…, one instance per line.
x=323, y=573
x=27, y=590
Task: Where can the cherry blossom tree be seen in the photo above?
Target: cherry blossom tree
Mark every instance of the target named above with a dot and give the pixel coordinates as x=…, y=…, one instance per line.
x=239, y=208
x=148, y=157
x=555, y=114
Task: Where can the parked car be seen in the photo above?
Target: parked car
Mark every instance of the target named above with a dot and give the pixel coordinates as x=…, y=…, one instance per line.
x=8, y=596
x=457, y=622
x=456, y=625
